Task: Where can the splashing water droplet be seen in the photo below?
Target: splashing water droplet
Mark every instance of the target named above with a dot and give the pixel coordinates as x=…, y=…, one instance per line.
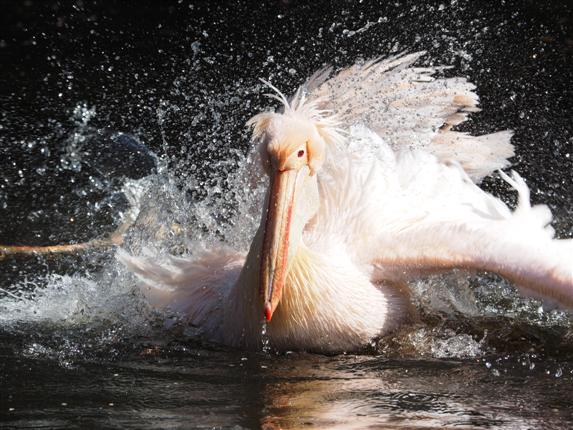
x=266, y=346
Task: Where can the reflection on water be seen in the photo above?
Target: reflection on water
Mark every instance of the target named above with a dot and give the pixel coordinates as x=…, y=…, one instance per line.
x=186, y=387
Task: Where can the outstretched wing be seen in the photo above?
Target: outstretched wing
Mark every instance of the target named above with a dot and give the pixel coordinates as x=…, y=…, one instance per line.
x=193, y=287
x=408, y=107
x=519, y=246
x=409, y=214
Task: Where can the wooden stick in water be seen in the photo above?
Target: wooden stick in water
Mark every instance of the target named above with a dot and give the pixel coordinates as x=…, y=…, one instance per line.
x=116, y=238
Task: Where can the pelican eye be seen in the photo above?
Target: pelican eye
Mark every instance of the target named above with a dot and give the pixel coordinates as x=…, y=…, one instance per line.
x=300, y=153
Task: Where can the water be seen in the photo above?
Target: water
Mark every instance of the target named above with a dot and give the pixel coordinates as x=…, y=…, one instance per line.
x=197, y=388
x=116, y=112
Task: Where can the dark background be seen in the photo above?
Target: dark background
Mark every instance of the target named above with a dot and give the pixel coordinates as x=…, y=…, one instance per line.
x=181, y=78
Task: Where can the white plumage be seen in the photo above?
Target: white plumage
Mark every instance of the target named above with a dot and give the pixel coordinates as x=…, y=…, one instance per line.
x=369, y=188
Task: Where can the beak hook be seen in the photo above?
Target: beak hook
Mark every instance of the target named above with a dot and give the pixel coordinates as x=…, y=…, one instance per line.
x=268, y=312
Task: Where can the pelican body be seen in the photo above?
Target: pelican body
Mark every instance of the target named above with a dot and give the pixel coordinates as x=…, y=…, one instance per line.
x=368, y=187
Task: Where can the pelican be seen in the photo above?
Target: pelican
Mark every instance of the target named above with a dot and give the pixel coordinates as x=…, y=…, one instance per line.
x=368, y=187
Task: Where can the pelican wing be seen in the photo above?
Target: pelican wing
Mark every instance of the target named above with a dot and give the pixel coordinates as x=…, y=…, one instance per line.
x=408, y=107
x=408, y=214
x=187, y=286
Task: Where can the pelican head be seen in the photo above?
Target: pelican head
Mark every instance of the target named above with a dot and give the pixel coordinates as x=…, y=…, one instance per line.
x=293, y=145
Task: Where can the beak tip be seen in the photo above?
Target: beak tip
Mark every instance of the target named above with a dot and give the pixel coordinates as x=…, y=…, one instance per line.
x=268, y=312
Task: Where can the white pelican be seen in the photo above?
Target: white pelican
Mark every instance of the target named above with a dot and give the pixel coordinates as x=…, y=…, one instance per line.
x=368, y=187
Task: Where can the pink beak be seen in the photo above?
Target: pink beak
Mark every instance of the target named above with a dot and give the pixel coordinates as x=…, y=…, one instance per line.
x=275, y=256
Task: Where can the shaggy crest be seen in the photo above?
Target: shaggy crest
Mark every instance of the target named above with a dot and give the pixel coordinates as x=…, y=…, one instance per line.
x=298, y=107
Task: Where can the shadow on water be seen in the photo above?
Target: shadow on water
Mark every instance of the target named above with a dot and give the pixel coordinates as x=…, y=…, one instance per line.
x=92, y=91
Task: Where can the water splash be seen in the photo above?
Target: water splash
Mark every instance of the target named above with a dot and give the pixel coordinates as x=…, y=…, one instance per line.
x=71, y=158
x=266, y=343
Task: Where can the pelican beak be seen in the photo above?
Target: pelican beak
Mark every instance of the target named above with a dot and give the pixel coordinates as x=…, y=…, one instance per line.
x=277, y=247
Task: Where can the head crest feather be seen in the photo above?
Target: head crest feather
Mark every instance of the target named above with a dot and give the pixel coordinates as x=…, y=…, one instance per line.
x=300, y=107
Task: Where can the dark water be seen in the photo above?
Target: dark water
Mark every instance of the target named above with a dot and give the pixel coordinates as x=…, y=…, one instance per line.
x=198, y=388
x=97, y=95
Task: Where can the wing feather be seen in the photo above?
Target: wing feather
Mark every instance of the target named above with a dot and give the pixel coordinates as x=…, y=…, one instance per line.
x=409, y=214
x=408, y=107
x=188, y=286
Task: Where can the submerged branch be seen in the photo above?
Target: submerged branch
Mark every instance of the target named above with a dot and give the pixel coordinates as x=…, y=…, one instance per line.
x=116, y=238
